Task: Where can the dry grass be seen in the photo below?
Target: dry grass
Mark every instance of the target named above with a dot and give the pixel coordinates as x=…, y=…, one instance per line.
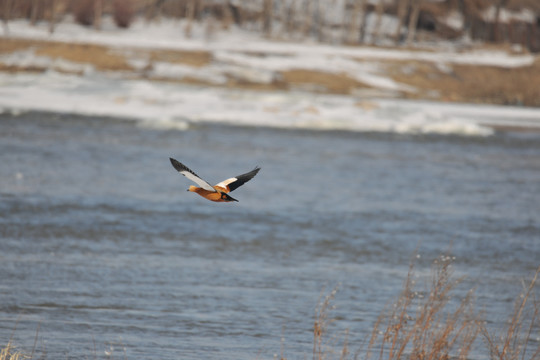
x=459, y=83
x=515, y=343
x=421, y=326
x=418, y=326
x=9, y=45
x=101, y=57
x=8, y=352
x=320, y=81
x=426, y=325
x=470, y=83
x=320, y=327
x=191, y=58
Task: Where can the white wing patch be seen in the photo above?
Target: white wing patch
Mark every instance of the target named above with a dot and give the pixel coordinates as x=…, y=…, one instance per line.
x=198, y=181
x=224, y=183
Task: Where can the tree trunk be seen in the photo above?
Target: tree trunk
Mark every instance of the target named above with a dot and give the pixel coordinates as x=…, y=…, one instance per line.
x=403, y=7
x=306, y=26
x=362, y=31
x=52, y=20
x=190, y=14
x=290, y=19
x=98, y=12
x=320, y=22
x=267, y=17
x=350, y=35
x=282, y=18
x=413, y=21
x=153, y=9
x=7, y=15
x=228, y=17
x=34, y=11
x=462, y=8
x=496, y=23
x=380, y=10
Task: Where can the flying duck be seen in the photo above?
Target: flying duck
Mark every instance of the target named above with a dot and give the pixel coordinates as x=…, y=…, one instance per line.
x=219, y=192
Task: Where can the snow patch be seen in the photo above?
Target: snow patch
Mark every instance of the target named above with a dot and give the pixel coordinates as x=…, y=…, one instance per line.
x=167, y=106
x=507, y=16
x=245, y=57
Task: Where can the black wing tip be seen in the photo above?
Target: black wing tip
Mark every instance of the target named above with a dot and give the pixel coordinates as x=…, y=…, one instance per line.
x=249, y=175
x=256, y=170
x=179, y=166
x=176, y=164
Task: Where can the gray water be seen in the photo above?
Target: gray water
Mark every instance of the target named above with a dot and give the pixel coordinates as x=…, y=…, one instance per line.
x=104, y=254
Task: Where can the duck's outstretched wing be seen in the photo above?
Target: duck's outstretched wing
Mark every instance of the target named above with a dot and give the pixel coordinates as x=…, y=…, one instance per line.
x=187, y=172
x=233, y=183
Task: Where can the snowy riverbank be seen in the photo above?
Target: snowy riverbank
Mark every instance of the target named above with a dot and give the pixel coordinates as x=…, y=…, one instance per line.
x=242, y=79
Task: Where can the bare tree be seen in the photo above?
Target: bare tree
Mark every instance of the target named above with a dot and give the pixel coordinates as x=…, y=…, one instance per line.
x=413, y=21
x=462, y=8
x=34, y=11
x=190, y=14
x=403, y=7
x=496, y=37
x=228, y=16
x=307, y=23
x=268, y=13
x=98, y=12
x=363, y=23
x=283, y=14
x=348, y=20
x=376, y=31
x=52, y=19
x=153, y=9
x=6, y=15
x=291, y=17
x=321, y=23
x=357, y=10
x=319, y=18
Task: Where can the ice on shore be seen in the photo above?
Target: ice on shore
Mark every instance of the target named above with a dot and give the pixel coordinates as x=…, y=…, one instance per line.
x=74, y=88
x=169, y=106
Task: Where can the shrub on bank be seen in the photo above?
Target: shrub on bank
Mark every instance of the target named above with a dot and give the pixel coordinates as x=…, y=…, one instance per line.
x=123, y=13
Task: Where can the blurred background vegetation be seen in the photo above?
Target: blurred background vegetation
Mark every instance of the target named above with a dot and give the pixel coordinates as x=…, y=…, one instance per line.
x=353, y=22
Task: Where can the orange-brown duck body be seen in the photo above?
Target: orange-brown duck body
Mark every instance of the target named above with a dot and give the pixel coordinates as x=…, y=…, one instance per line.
x=219, y=192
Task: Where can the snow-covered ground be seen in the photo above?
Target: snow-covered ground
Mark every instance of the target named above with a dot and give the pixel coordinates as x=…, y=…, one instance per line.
x=158, y=104
x=168, y=34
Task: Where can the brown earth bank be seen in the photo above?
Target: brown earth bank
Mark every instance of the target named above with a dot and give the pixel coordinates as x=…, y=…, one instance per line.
x=454, y=83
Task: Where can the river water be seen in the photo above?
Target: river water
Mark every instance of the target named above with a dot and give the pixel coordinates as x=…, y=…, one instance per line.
x=104, y=254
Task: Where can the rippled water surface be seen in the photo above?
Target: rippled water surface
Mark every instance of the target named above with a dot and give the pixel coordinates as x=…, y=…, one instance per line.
x=104, y=250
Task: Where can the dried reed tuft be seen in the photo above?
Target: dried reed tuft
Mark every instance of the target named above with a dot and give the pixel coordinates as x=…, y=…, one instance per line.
x=8, y=353
x=322, y=321
x=516, y=343
x=420, y=327
x=323, y=344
